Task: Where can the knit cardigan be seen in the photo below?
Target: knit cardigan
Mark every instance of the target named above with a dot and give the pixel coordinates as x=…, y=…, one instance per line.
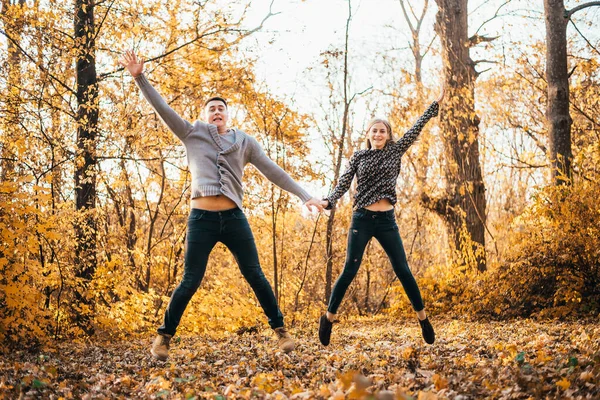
x=217, y=167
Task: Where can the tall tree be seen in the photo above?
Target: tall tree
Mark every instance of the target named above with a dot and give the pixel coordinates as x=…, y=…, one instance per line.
x=338, y=162
x=419, y=157
x=415, y=45
x=463, y=207
x=85, y=164
x=418, y=55
x=12, y=16
x=557, y=75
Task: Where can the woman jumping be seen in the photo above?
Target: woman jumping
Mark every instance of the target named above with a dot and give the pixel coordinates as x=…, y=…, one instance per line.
x=377, y=169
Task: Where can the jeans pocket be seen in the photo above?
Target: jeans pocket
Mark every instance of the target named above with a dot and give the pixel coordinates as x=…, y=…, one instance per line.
x=239, y=214
x=360, y=213
x=391, y=225
x=196, y=214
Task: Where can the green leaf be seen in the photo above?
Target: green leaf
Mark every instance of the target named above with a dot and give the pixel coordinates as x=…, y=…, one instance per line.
x=37, y=384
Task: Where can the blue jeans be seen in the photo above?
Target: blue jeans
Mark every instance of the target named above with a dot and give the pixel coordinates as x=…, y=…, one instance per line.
x=382, y=226
x=204, y=230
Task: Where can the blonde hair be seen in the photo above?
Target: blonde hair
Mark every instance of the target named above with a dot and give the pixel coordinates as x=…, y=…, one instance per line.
x=387, y=126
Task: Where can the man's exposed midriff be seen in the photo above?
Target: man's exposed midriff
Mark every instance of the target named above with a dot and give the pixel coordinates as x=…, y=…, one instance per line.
x=213, y=203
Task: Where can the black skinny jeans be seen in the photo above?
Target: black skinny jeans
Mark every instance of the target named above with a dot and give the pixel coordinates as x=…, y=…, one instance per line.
x=205, y=229
x=381, y=225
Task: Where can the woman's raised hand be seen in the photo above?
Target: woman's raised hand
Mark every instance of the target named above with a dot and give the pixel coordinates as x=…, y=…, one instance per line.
x=131, y=62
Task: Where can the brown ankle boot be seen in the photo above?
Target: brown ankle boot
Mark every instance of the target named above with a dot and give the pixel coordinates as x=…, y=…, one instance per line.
x=285, y=341
x=160, y=347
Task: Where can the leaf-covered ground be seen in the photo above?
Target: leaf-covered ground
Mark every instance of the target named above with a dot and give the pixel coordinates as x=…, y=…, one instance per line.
x=367, y=359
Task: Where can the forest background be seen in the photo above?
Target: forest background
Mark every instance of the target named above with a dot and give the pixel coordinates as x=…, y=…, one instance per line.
x=497, y=201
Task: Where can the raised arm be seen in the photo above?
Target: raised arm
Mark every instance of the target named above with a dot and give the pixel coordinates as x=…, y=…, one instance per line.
x=174, y=122
x=411, y=135
x=343, y=184
x=278, y=176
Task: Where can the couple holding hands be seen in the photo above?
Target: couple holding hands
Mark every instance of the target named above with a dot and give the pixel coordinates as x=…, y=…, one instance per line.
x=216, y=156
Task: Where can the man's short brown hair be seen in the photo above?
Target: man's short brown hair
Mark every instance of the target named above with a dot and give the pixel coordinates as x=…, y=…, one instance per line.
x=216, y=98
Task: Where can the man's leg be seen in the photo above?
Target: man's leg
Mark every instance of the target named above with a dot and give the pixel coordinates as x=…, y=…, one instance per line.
x=202, y=235
x=239, y=239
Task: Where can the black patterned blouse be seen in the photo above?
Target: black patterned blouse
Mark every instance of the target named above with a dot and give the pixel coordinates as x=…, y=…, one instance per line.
x=378, y=170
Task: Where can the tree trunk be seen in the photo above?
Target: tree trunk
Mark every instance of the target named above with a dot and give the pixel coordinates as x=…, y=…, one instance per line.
x=11, y=125
x=274, y=212
x=464, y=206
x=145, y=282
x=330, y=221
x=422, y=152
x=329, y=252
x=85, y=163
x=557, y=76
x=13, y=28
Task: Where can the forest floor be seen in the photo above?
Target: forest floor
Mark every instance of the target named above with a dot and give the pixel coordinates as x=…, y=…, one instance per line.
x=368, y=358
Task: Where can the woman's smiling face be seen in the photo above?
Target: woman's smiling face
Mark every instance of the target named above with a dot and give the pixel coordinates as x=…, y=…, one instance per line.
x=378, y=135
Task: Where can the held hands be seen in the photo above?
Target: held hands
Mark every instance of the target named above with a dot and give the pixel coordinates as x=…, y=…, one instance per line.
x=131, y=62
x=439, y=100
x=324, y=203
x=314, y=203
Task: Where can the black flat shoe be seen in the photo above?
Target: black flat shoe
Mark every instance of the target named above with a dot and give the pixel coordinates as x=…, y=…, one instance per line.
x=427, y=331
x=325, y=330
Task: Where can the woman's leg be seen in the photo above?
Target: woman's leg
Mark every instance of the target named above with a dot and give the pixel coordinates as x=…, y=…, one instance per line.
x=361, y=231
x=358, y=237
x=389, y=238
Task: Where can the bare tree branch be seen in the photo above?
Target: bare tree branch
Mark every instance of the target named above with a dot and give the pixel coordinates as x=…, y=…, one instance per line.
x=103, y=19
x=569, y=13
x=584, y=38
x=429, y=45
x=359, y=94
x=484, y=61
x=528, y=132
x=202, y=36
x=406, y=17
x=584, y=114
x=496, y=15
x=41, y=67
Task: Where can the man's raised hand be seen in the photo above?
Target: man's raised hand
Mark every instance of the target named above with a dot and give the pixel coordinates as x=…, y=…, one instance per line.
x=132, y=63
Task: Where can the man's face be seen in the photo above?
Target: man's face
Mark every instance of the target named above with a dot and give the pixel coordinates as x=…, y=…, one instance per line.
x=217, y=113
